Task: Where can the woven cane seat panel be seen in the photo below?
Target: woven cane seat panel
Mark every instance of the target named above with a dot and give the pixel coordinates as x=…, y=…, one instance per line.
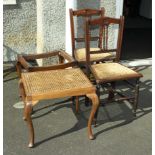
x=80, y=54
x=36, y=83
x=113, y=72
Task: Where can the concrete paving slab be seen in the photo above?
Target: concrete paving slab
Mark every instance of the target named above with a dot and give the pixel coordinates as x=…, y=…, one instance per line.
x=59, y=131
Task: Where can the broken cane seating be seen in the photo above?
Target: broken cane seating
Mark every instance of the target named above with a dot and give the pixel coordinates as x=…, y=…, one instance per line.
x=48, y=83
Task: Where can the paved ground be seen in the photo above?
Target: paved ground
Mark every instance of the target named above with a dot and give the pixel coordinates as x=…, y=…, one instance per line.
x=59, y=131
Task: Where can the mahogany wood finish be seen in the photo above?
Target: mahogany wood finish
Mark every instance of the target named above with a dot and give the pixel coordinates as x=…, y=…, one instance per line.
x=43, y=84
x=95, y=105
x=103, y=72
x=30, y=98
x=22, y=61
x=86, y=14
x=104, y=23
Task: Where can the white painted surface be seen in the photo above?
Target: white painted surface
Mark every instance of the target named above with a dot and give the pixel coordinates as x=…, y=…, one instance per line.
x=40, y=43
x=119, y=12
x=68, y=45
x=119, y=8
x=9, y=2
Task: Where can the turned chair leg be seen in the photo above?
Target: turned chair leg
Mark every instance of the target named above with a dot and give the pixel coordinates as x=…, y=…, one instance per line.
x=135, y=105
x=111, y=94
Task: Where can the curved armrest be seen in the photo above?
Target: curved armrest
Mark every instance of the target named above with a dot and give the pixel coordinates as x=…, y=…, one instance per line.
x=22, y=61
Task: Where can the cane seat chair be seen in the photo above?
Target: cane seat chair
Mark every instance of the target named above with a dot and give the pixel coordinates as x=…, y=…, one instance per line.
x=64, y=79
x=30, y=63
x=111, y=72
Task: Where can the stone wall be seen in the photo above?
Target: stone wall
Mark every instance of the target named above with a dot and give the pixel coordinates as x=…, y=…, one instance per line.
x=19, y=29
x=53, y=24
x=20, y=25
x=110, y=10
x=110, y=7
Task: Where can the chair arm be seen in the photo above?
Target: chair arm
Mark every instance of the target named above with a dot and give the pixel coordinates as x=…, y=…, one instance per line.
x=22, y=61
x=41, y=55
x=53, y=67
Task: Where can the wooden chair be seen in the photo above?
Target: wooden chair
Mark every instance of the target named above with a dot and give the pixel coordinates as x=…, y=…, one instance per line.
x=111, y=72
x=48, y=82
x=24, y=64
x=79, y=54
x=100, y=53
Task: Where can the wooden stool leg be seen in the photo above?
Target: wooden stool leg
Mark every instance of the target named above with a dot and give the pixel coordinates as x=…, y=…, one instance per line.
x=22, y=95
x=20, y=88
x=28, y=110
x=24, y=113
x=111, y=92
x=87, y=71
x=136, y=97
x=95, y=104
x=77, y=104
x=73, y=100
x=87, y=101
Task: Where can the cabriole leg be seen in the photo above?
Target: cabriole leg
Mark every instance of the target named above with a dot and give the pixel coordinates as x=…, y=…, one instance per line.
x=96, y=114
x=28, y=111
x=95, y=104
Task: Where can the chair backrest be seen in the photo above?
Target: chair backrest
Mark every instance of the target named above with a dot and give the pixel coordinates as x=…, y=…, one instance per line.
x=86, y=14
x=103, y=23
